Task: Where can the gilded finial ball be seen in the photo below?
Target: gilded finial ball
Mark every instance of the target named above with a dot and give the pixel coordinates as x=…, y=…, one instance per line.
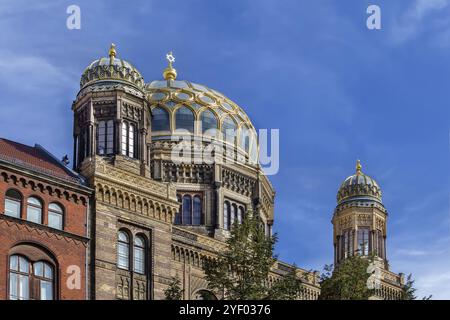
x=170, y=73
x=112, y=51
x=358, y=166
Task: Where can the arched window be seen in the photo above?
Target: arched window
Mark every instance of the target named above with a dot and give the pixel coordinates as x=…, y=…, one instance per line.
x=363, y=241
x=160, y=120
x=55, y=216
x=129, y=138
x=43, y=274
x=187, y=208
x=123, y=251
x=226, y=215
x=184, y=119
x=209, y=123
x=19, y=278
x=229, y=130
x=13, y=203
x=34, y=210
x=25, y=275
x=347, y=243
x=139, y=255
x=105, y=137
x=197, y=212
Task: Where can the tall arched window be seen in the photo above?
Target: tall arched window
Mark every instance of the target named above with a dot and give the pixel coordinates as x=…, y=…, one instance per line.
x=184, y=119
x=19, y=278
x=347, y=243
x=226, y=215
x=209, y=123
x=55, y=216
x=123, y=251
x=34, y=210
x=187, y=209
x=160, y=120
x=13, y=203
x=229, y=130
x=105, y=137
x=129, y=139
x=197, y=211
x=139, y=255
x=363, y=241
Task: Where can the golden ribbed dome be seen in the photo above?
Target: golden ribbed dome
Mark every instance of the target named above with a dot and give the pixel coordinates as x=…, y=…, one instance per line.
x=359, y=187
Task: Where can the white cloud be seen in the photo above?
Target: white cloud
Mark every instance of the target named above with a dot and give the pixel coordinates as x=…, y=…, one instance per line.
x=412, y=22
x=31, y=74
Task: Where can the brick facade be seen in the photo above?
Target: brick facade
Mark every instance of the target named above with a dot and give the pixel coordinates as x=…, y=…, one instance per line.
x=62, y=249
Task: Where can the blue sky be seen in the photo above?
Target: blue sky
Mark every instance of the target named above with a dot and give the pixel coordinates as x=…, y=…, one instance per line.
x=336, y=90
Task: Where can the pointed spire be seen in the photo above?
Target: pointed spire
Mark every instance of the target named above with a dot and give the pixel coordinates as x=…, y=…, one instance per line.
x=170, y=73
x=358, y=167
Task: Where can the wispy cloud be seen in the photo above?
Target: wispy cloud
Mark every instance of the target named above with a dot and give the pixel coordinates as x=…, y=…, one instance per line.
x=415, y=19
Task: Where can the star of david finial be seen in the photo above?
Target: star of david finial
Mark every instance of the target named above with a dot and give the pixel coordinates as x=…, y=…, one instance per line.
x=170, y=57
x=170, y=73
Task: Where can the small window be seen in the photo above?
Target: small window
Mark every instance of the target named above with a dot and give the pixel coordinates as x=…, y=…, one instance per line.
x=139, y=255
x=184, y=119
x=19, y=278
x=197, y=211
x=43, y=273
x=13, y=203
x=160, y=120
x=34, y=210
x=363, y=241
x=105, y=137
x=129, y=139
x=226, y=215
x=123, y=251
x=55, y=216
x=187, y=206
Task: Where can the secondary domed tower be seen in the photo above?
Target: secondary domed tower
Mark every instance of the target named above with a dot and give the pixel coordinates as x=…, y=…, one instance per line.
x=110, y=118
x=359, y=220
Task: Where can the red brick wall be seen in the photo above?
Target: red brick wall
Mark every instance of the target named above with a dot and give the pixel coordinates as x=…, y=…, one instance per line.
x=66, y=249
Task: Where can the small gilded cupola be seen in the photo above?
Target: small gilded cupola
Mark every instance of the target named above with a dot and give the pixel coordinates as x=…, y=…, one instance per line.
x=111, y=69
x=359, y=187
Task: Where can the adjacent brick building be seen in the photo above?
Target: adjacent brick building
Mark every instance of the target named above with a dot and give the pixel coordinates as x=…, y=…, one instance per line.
x=44, y=212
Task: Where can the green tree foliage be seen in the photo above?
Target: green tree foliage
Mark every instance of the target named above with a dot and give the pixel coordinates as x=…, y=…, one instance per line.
x=288, y=288
x=174, y=291
x=240, y=272
x=348, y=281
x=408, y=289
